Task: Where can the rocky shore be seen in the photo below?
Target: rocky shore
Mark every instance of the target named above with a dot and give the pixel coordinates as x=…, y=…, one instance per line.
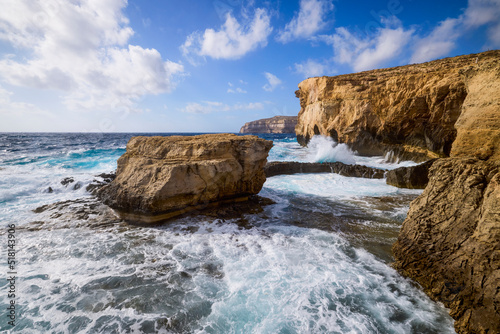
x=162, y=177
x=447, y=109
x=276, y=124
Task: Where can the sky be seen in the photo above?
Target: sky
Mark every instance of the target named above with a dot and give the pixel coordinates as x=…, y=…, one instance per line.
x=208, y=65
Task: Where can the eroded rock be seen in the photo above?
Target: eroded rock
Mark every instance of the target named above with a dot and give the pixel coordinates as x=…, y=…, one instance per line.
x=450, y=242
x=292, y=167
x=276, y=124
x=161, y=177
x=408, y=110
x=414, y=177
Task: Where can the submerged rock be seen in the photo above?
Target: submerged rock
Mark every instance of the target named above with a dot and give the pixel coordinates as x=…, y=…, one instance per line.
x=276, y=124
x=67, y=180
x=414, y=177
x=450, y=242
x=292, y=167
x=161, y=177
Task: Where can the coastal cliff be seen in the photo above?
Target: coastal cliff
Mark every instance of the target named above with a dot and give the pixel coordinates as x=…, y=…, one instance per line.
x=410, y=110
x=276, y=124
x=447, y=109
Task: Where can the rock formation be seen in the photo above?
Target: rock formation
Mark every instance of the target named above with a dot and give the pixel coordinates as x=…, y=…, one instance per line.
x=415, y=177
x=160, y=177
x=447, y=109
x=450, y=242
x=292, y=167
x=276, y=124
x=409, y=110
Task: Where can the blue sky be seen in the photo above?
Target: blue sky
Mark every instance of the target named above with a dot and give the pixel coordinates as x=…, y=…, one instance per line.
x=208, y=66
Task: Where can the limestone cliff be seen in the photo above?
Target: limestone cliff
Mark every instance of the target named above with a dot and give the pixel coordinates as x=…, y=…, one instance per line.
x=413, y=111
x=449, y=109
x=160, y=177
x=450, y=242
x=276, y=124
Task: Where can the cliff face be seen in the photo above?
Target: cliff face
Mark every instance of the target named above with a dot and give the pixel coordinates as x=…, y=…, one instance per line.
x=450, y=109
x=409, y=110
x=450, y=242
x=160, y=177
x=276, y=124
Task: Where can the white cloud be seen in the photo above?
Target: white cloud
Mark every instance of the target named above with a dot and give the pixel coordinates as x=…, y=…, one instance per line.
x=311, y=68
x=373, y=51
x=309, y=20
x=81, y=47
x=207, y=107
x=238, y=90
x=232, y=41
x=272, y=82
x=442, y=39
x=438, y=43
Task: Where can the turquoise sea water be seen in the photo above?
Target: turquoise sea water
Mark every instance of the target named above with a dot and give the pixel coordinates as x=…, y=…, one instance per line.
x=316, y=261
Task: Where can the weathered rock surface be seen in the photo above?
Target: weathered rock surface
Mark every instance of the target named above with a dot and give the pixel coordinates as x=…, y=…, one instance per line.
x=276, y=124
x=450, y=242
x=413, y=111
x=292, y=167
x=161, y=177
x=415, y=177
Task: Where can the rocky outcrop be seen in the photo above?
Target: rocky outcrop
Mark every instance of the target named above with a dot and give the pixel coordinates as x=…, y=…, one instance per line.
x=447, y=109
x=276, y=124
x=450, y=242
x=292, y=167
x=415, y=111
x=161, y=177
x=414, y=177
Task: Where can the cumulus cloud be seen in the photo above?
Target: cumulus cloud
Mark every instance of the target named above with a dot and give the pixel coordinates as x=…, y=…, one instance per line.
x=370, y=52
x=232, y=40
x=438, y=43
x=272, y=82
x=309, y=20
x=442, y=39
x=312, y=68
x=208, y=107
x=81, y=47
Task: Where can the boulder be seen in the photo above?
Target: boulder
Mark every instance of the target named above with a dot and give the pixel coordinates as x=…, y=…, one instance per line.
x=292, y=167
x=414, y=177
x=161, y=177
x=450, y=242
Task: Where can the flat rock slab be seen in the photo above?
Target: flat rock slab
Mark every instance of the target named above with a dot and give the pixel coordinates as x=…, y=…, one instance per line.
x=292, y=167
x=161, y=177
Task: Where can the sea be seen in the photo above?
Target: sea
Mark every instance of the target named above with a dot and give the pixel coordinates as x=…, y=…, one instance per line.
x=316, y=260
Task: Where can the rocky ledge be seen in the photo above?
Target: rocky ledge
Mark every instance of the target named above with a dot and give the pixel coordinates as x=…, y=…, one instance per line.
x=292, y=167
x=161, y=177
x=415, y=111
x=276, y=124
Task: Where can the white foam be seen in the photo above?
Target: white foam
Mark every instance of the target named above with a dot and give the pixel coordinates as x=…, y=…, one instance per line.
x=262, y=280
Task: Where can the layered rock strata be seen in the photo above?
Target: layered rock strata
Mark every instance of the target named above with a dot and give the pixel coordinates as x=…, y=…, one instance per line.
x=276, y=124
x=409, y=110
x=414, y=177
x=450, y=242
x=292, y=167
x=161, y=177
